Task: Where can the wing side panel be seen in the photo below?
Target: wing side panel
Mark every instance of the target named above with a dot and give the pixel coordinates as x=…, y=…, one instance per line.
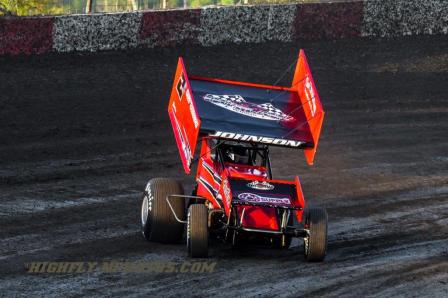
x=303, y=83
x=184, y=116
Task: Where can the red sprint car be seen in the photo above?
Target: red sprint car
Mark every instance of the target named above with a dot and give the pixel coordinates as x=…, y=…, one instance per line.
x=236, y=197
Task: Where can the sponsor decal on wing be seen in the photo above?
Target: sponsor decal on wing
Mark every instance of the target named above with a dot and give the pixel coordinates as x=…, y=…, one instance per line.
x=256, y=139
x=184, y=141
x=236, y=103
x=182, y=89
x=310, y=97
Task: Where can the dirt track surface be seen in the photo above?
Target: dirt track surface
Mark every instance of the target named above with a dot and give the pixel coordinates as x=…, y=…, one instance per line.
x=81, y=134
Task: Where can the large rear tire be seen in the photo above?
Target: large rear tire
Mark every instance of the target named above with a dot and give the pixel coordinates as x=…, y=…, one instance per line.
x=316, y=243
x=158, y=221
x=197, y=231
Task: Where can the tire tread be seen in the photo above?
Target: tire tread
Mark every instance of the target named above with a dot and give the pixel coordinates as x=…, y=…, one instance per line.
x=198, y=225
x=164, y=226
x=318, y=219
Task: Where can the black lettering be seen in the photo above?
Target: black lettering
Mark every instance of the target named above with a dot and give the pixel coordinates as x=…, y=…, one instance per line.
x=180, y=87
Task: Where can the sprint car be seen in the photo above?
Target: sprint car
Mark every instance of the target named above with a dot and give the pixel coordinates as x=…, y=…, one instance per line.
x=235, y=195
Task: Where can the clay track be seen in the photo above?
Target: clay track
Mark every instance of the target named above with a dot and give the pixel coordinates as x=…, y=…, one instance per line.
x=81, y=134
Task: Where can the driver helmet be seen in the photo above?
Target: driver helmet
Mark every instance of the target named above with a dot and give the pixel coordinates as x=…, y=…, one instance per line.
x=237, y=155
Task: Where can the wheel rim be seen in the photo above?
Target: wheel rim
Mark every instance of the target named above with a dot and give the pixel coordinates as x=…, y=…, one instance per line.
x=145, y=210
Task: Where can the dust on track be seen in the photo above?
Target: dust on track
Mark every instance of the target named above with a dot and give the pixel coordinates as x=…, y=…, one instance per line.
x=82, y=133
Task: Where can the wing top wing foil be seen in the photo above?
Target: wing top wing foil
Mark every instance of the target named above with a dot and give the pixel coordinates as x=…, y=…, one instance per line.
x=280, y=116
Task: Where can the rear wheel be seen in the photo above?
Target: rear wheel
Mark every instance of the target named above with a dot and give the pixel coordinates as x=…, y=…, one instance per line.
x=157, y=219
x=316, y=242
x=197, y=231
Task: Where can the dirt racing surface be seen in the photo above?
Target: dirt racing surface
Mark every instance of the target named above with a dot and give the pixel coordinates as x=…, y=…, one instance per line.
x=82, y=133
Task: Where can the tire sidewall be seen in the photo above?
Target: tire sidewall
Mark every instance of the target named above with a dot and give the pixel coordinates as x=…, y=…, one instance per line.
x=313, y=250
x=306, y=240
x=147, y=203
x=189, y=232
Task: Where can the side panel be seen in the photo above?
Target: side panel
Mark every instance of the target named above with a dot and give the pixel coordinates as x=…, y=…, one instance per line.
x=208, y=178
x=184, y=116
x=304, y=84
x=225, y=193
x=300, y=200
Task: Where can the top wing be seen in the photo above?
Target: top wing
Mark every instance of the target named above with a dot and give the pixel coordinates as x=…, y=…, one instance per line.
x=281, y=116
x=250, y=113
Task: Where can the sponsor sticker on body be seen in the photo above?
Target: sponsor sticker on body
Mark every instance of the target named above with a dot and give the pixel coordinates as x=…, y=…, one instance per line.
x=263, y=199
x=227, y=193
x=261, y=185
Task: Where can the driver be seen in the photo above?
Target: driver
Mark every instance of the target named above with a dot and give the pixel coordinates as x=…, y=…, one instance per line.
x=237, y=155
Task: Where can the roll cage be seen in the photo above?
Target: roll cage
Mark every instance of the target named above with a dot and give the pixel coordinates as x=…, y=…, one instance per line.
x=255, y=155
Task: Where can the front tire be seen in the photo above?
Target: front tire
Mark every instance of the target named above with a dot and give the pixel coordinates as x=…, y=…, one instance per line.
x=316, y=242
x=197, y=231
x=157, y=219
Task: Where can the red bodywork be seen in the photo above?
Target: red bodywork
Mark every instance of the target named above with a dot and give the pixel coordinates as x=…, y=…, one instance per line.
x=213, y=178
x=184, y=116
x=213, y=184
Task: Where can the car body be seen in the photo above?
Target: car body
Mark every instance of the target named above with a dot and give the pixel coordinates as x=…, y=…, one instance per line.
x=236, y=196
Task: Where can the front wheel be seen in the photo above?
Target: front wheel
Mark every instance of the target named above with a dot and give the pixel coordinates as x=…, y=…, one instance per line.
x=316, y=242
x=197, y=231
